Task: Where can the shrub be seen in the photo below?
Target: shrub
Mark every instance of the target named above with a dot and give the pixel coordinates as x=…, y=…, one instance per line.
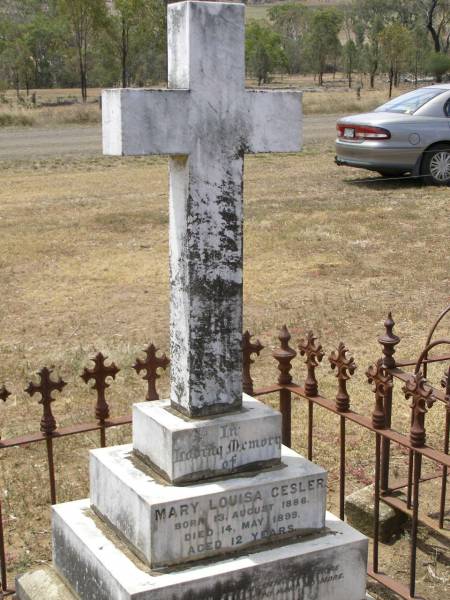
x=438, y=64
x=11, y=119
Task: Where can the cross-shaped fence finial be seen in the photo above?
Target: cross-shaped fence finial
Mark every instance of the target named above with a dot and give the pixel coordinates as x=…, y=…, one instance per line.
x=99, y=374
x=381, y=381
x=249, y=348
x=312, y=350
x=45, y=388
x=150, y=365
x=345, y=367
x=418, y=389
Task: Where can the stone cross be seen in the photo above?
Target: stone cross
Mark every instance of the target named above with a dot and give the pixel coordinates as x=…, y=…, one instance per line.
x=205, y=122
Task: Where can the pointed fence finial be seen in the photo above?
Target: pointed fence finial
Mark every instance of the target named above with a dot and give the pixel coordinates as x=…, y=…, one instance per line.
x=389, y=341
x=284, y=355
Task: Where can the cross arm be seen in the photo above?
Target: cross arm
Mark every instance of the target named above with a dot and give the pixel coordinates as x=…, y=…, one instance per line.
x=142, y=121
x=276, y=121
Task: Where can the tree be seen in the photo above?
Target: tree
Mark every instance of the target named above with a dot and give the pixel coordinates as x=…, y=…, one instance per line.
x=84, y=17
x=124, y=21
x=395, y=43
x=291, y=22
x=437, y=19
x=44, y=37
x=263, y=50
x=420, y=50
x=438, y=64
x=323, y=39
x=350, y=56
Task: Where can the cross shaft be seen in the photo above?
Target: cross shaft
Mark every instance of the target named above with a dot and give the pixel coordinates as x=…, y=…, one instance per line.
x=206, y=122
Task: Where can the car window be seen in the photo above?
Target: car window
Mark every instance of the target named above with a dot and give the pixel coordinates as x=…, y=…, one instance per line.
x=409, y=103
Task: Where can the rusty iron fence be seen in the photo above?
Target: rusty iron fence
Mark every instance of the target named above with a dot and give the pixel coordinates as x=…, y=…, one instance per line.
x=382, y=376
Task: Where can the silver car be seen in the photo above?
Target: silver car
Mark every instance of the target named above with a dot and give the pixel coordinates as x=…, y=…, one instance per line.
x=410, y=134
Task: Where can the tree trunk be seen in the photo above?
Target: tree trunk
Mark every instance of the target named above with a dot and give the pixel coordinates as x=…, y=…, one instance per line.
x=391, y=81
x=124, y=55
x=396, y=78
x=372, y=81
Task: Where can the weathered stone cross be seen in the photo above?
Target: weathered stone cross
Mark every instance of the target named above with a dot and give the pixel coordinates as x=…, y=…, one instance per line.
x=205, y=122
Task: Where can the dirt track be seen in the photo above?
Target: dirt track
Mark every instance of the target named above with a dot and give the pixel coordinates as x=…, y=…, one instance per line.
x=39, y=143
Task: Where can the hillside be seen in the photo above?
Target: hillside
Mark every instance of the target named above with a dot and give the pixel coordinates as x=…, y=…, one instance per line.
x=306, y=2
x=257, y=9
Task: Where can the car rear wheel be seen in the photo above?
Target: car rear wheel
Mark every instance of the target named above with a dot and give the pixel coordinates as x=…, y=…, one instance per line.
x=436, y=165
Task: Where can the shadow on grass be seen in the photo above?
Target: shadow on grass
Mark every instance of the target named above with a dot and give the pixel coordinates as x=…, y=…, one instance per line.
x=388, y=183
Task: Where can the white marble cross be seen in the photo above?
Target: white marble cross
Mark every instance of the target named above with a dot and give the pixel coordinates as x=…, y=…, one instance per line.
x=205, y=122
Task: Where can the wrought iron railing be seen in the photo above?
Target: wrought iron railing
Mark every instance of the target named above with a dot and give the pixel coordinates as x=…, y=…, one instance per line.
x=382, y=376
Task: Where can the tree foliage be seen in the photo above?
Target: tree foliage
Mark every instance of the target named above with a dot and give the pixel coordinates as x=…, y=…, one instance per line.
x=438, y=64
x=291, y=21
x=395, y=41
x=263, y=51
x=62, y=43
x=323, y=39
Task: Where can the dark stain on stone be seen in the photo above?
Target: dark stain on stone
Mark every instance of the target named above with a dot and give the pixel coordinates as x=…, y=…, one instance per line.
x=297, y=577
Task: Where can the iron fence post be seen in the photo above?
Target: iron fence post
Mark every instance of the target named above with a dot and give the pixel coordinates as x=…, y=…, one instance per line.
x=388, y=341
x=284, y=356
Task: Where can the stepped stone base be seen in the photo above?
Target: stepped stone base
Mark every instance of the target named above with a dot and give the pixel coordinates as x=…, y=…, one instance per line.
x=183, y=449
x=328, y=566
x=359, y=512
x=168, y=525
x=46, y=583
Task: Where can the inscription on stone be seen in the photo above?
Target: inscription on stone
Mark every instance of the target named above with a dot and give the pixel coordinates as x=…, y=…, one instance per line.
x=228, y=448
x=225, y=522
x=185, y=450
x=295, y=587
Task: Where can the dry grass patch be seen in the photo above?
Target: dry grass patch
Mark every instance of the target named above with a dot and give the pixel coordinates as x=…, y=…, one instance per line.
x=84, y=267
x=333, y=98
x=77, y=114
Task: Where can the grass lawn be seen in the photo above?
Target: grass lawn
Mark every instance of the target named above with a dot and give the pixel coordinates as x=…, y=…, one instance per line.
x=84, y=267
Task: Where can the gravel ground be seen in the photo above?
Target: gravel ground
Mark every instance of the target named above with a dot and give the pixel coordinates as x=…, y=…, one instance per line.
x=40, y=143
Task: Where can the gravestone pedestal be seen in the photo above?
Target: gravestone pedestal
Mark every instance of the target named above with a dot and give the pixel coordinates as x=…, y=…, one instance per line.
x=184, y=450
x=205, y=504
x=262, y=533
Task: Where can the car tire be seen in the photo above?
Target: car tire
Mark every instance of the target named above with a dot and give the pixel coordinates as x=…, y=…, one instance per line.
x=436, y=165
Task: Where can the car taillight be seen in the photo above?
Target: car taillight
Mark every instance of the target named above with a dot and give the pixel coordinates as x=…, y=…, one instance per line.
x=362, y=132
